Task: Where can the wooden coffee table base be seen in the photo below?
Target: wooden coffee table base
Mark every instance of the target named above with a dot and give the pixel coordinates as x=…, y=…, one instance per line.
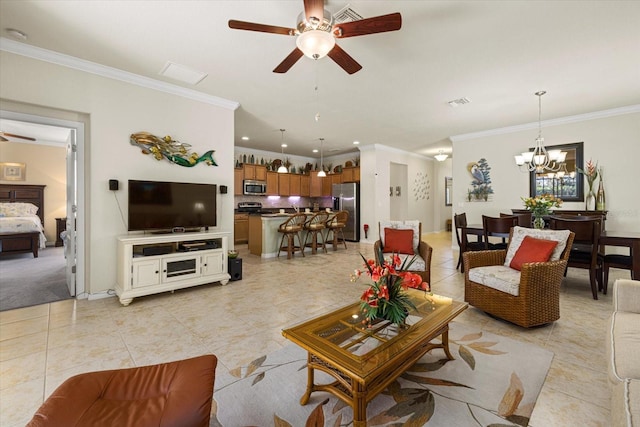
x=356, y=391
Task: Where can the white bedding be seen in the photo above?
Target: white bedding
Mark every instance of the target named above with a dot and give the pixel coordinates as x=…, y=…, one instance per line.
x=23, y=224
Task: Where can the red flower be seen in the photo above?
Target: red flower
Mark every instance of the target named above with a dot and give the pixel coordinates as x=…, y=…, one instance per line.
x=383, y=292
x=412, y=280
x=367, y=295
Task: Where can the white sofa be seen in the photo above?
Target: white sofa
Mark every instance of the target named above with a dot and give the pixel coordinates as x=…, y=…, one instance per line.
x=623, y=350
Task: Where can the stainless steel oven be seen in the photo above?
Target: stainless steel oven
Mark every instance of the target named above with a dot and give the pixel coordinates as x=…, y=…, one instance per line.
x=255, y=188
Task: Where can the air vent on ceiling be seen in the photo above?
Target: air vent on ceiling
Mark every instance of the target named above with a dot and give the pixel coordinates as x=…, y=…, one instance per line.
x=346, y=14
x=182, y=73
x=458, y=102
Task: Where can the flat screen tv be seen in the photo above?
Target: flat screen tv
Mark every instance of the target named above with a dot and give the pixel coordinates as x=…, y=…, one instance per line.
x=171, y=206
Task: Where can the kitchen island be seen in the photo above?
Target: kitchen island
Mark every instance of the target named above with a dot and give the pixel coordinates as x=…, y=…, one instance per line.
x=264, y=238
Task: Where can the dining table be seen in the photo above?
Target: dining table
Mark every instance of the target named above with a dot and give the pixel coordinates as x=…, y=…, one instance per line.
x=629, y=239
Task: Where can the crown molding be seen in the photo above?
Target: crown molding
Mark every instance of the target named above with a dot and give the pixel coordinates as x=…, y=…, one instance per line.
x=57, y=58
x=551, y=122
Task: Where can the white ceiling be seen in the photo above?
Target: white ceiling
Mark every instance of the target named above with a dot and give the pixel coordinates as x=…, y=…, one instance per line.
x=585, y=54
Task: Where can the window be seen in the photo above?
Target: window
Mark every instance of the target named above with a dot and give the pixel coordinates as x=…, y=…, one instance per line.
x=566, y=183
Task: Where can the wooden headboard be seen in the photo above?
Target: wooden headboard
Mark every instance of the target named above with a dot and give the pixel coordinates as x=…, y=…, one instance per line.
x=11, y=193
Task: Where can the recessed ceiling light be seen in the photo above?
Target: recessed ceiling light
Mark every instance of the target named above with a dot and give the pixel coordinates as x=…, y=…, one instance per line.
x=16, y=34
x=284, y=145
x=182, y=73
x=315, y=150
x=458, y=102
x=356, y=142
x=245, y=138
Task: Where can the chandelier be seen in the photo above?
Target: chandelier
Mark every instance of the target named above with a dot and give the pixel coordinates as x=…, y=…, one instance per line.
x=441, y=157
x=541, y=159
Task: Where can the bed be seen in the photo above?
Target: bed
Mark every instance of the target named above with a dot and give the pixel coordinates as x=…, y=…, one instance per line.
x=21, y=219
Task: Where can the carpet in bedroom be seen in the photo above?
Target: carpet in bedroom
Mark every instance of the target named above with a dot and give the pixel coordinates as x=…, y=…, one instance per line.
x=27, y=281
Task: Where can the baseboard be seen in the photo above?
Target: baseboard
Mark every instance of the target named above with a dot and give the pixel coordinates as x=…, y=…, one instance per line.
x=101, y=295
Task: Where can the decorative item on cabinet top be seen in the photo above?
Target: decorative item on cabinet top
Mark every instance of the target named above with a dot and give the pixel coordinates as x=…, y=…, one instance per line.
x=167, y=148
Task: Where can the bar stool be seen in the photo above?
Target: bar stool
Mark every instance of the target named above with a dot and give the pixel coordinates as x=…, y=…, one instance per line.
x=335, y=224
x=291, y=229
x=314, y=226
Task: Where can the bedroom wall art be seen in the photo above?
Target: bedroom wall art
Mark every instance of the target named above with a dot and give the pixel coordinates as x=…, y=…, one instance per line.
x=13, y=171
x=171, y=150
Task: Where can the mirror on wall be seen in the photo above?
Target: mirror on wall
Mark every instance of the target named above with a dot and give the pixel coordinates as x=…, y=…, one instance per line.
x=565, y=183
x=448, y=189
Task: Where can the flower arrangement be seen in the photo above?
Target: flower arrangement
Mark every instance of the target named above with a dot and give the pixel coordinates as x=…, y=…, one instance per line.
x=591, y=173
x=541, y=205
x=386, y=298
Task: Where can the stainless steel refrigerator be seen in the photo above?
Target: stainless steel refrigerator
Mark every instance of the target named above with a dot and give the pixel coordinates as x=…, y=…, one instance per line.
x=347, y=197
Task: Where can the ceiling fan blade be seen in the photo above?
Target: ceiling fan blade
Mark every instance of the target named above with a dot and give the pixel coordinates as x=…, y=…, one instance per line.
x=17, y=136
x=344, y=60
x=314, y=9
x=251, y=26
x=377, y=24
x=288, y=62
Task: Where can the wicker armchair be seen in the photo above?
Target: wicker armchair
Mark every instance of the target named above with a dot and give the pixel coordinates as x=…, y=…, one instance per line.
x=538, y=299
x=423, y=250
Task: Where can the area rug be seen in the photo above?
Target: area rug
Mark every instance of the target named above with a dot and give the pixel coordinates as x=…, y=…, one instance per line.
x=493, y=381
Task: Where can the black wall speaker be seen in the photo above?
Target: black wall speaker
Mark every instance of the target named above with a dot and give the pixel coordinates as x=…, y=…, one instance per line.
x=223, y=189
x=113, y=184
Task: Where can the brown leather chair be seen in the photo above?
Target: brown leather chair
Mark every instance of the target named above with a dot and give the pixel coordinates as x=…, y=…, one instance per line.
x=460, y=221
x=500, y=227
x=585, y=252
x=166, y=395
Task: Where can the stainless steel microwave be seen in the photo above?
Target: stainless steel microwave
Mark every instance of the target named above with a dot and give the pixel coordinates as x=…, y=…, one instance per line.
x=255, y=188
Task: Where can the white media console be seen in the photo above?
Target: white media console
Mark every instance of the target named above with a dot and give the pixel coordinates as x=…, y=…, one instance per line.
x=150, y=264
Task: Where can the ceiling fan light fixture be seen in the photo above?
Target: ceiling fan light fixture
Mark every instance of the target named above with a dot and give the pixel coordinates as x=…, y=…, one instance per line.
x=315, y=44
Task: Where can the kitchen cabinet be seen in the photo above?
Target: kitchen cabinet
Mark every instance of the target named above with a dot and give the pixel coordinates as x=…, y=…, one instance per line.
x=305, y=185
x=241, y=228
x=272, y=183
x=351, y=174
x=336, y=178
x=238, y=175
x=256, y=172
x=315, y=188
x=326, y=186
x=295, y=183
x=284, y=181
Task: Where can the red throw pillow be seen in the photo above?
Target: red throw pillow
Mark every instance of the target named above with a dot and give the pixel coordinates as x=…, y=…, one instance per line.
x=400, y=241
x=532, y=250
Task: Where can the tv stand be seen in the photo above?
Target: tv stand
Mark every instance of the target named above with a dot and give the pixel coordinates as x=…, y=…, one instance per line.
x=166, y=262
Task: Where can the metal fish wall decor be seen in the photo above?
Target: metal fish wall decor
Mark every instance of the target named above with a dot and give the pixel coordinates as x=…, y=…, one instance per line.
x=167, y=148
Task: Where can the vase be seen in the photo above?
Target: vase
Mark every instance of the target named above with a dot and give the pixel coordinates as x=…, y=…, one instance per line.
x=538, y=222
x=590, y=201
x=600, y=197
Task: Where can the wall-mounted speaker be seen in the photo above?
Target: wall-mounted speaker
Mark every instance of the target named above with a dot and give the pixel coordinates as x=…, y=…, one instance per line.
x=223, y=189
x=114, y=184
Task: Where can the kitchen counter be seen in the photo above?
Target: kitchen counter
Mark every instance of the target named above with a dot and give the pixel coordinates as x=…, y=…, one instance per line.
x=264, y=238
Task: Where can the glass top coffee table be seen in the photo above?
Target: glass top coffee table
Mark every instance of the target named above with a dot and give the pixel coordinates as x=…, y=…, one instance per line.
x=365, y=360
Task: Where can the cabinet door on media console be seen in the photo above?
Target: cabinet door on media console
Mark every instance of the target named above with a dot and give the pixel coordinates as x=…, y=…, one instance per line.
x=146, y=272
x=212, y=263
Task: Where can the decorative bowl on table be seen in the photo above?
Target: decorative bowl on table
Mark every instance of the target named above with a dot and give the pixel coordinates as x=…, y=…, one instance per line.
x=232, y=254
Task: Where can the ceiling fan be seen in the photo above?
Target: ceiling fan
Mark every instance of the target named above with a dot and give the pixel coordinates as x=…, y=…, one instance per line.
x=316, y=32
x=11, y=135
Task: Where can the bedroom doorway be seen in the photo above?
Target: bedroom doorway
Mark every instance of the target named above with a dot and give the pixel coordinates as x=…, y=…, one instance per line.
x=70, y=137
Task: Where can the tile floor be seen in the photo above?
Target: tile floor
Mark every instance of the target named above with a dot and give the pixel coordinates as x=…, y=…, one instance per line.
x=43, y=345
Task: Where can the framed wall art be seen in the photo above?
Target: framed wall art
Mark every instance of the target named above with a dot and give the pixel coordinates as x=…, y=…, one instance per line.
x=13, y=171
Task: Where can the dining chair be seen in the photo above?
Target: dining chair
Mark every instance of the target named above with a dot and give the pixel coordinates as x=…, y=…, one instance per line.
x=499, y=227
x=620, y=261
x=585, y=253
x=525, y=219
x=460, y=222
